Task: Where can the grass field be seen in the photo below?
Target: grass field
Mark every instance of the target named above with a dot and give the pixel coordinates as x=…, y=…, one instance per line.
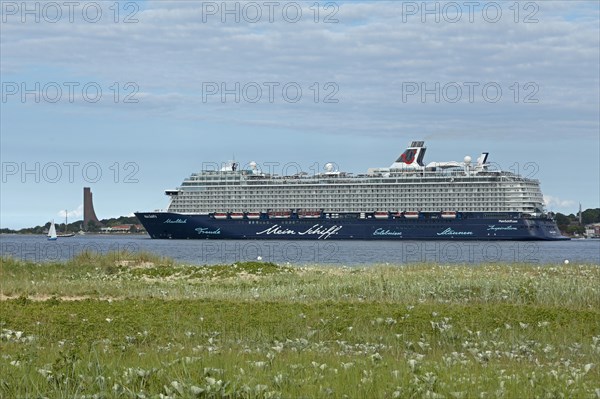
x=138, y=326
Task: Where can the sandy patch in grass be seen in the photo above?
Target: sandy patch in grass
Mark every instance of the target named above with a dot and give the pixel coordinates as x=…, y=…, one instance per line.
x=45, y=297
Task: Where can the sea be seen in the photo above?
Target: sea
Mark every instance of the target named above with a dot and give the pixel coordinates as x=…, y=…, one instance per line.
x=37, y=248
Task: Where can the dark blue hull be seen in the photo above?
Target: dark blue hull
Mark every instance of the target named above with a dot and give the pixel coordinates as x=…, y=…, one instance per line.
x=168, y=225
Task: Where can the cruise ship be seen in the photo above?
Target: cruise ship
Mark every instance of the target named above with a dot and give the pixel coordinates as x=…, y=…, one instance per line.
x=408, y=200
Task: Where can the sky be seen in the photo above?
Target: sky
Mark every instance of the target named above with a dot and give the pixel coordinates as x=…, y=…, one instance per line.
x=130, y=98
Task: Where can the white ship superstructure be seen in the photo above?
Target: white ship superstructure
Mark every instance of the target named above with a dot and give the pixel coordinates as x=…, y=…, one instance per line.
x=407, y=185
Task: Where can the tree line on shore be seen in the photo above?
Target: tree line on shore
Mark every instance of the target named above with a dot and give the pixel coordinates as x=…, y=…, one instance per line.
x=569, y=224
x=76, y=226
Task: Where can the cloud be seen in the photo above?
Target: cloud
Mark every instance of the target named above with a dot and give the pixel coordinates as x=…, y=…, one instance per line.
x=370, y=54
x=73, y=214
x=552, y=203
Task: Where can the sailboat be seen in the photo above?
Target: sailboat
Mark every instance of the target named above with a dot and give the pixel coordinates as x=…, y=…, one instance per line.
x=52, y=232
x=65, y=233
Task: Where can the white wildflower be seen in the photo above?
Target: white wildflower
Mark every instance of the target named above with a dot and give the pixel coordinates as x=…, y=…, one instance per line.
x=346, y=366
x=260, y=388
x=211, y=381
x=197, y=391
x=177, y=386
x=376, y=357
x=278, y=348
x=278, y=379
x=412, y=363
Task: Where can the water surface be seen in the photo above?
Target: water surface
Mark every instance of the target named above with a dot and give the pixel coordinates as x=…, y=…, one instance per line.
x=349, y=253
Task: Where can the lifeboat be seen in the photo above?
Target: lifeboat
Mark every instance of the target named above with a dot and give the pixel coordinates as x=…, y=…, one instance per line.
x=280, y=214
x=237, y=215
x=309, y=214
x=381, y=215
x=448, y=215
x=411, y=215
x=220, y=215
x=253, y=215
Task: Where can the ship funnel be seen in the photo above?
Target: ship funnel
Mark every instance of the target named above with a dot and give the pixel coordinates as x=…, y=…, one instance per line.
x=412, y=157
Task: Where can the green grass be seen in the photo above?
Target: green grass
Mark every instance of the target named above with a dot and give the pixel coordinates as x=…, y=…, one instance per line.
x=136, y=325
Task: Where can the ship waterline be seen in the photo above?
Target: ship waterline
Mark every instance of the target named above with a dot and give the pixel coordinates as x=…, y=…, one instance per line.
x=408, y=200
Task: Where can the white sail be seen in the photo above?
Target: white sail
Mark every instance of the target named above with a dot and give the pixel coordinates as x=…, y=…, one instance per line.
x=52, y=232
